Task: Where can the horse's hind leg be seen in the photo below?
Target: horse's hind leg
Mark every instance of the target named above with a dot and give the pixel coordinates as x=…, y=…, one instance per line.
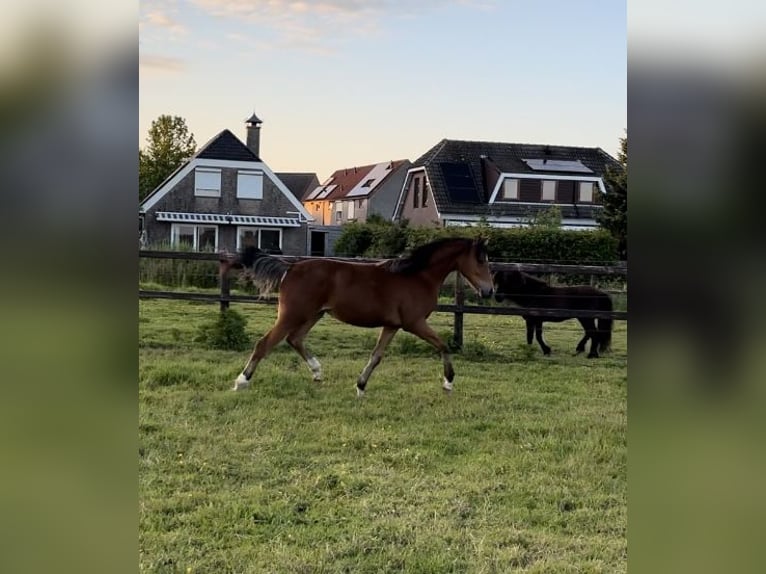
x=295, y=340
x=386, y=334
x=262, y=348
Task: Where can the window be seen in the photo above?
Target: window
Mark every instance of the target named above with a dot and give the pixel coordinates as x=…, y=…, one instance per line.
x=511, y=189
x=549, y=190
x=368, y=183
x=195, y=237
x=425, y=194
x=586, y=191
x=416, y=193
x=249, y=185
x=351, y=209
x=207, y=182
x=262, y=238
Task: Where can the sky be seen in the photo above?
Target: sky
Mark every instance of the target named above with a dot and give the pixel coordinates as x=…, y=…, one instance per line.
x=340, y=83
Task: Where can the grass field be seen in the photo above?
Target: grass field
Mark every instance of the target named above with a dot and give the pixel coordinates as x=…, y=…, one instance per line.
x=523, y=468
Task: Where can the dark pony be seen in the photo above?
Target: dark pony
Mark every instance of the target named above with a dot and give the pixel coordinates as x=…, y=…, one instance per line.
x=394, y=294
x=528, y=291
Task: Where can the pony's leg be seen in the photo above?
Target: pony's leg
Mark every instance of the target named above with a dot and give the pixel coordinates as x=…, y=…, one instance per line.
x=424, y=331
x=530, y=329
x=295, y=340
x=386, y=334
x=539, y=333
x=581, y=345
x=590, y=331
x=262, y=348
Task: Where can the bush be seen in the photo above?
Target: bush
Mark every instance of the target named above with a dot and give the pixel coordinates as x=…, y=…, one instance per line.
x=227, y=332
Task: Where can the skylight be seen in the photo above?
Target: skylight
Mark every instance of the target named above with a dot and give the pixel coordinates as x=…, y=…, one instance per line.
x=575, y=166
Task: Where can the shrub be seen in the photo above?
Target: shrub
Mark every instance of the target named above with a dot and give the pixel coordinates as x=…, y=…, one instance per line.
x=227, y=332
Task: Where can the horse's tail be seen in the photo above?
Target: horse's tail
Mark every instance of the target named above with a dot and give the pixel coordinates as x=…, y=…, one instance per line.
x=264, y=270
x=604, y=329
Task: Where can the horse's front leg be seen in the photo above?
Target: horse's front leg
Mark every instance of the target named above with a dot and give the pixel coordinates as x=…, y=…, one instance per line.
x=424, y=331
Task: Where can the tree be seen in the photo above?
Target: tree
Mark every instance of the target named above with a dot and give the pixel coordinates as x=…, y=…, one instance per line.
x=169, y=145
x=614, y=216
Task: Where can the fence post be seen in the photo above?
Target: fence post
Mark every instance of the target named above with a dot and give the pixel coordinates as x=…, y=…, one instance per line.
x=225, y=291
x=457, y=337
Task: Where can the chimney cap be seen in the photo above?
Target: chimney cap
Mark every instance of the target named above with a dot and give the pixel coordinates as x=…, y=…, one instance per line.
x=254, y=120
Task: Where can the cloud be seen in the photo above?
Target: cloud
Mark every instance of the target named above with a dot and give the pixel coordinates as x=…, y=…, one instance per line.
x=154, y=62
x=319, y=25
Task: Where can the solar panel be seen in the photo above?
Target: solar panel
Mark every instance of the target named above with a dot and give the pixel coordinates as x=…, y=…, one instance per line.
x=459, y=182
x=558, y=165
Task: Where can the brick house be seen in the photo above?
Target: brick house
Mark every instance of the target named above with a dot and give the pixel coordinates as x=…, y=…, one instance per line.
x=354, y=193
x=225, y=198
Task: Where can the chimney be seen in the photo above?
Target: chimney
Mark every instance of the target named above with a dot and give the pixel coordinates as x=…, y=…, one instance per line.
x=253, y=124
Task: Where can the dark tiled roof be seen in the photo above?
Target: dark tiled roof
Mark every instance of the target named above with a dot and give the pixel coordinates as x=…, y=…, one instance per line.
x=486, y=159
x=299, y=184
x=228, y=147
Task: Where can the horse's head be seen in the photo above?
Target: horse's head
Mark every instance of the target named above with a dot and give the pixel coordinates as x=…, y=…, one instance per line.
x=473, y=264
x=508, y=282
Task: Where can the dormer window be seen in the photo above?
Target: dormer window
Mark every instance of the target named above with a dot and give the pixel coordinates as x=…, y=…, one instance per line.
x=586, y=192
x=207, y=182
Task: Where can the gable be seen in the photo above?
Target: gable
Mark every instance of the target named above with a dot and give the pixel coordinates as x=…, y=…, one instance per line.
x=250, y=166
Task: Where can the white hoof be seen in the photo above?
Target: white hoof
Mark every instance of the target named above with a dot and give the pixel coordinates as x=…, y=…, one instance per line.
x=447, y=386
x=240, y=383
x=359, y=393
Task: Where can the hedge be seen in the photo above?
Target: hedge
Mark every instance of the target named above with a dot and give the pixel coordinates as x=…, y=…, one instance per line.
x=521, y=244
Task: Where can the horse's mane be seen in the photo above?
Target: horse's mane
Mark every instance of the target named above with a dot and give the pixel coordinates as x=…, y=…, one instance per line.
x=420, y=257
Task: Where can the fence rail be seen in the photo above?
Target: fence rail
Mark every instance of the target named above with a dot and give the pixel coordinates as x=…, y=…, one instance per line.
x=224, y=297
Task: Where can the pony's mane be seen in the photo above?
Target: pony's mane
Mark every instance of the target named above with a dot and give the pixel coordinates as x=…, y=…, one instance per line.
x=420, y=257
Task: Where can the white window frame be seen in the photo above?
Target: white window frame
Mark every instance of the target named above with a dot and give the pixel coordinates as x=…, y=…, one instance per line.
x=510, y=189
x=174, y=233
x=249, y=184
x=207, y=182
x=588, y=185
x=257, y=230
x=549, y=187
x=350, y=209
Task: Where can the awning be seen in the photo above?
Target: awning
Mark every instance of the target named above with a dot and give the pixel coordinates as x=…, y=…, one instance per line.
x=256, y=220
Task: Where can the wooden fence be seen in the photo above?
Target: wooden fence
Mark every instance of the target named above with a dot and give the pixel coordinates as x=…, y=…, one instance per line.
x=224, y=297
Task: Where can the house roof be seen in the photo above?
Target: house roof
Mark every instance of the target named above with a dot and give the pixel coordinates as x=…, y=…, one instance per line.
x=226, y=146
x=354, y=182
x=299, y=184
x=471, y=168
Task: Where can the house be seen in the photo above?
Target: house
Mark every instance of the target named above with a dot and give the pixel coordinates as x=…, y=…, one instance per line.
x=460, y=182
x=225, y=198
x=354, y=193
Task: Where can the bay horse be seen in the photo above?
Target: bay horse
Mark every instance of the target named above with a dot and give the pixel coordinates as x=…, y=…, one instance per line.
x=393, y=294
x=529, y=291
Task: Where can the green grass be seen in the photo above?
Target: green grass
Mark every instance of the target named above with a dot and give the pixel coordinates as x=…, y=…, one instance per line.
x=523, y=468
